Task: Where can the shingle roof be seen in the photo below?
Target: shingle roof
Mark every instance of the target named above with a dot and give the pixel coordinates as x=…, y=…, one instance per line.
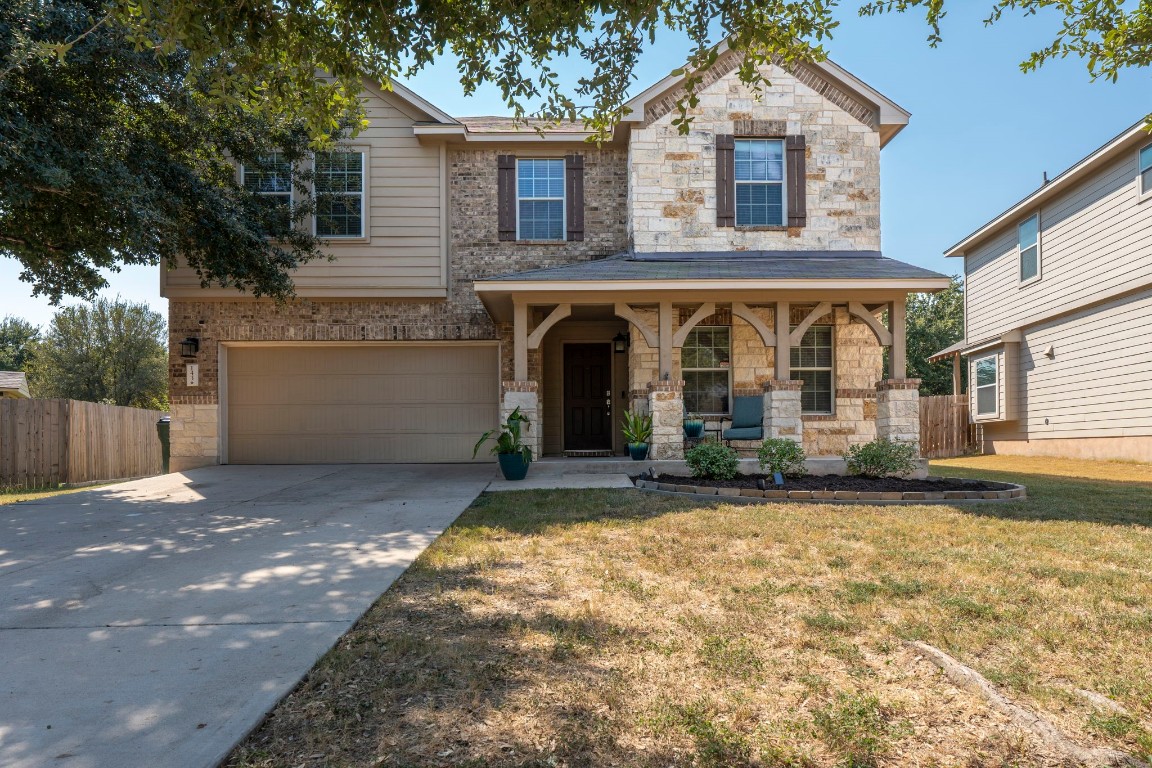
x=731, y=265
x=14, y=381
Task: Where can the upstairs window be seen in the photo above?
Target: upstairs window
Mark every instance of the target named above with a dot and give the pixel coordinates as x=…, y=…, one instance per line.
x=759, y=173
x=706, y=362
x=1029, y=232
x=340, y=190
x=812, y=364
x=987, y=386
x=271, y=179
x=1146, y=170
x=540, y=199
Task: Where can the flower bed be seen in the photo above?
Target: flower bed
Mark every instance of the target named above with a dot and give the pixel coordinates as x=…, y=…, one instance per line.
x=838, y=488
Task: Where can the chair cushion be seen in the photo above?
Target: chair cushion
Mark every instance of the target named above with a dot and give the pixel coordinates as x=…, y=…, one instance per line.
x=744, y=433
x=747, y=411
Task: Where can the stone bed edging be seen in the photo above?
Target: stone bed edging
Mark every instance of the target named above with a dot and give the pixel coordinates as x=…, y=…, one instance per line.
x=1014, y=493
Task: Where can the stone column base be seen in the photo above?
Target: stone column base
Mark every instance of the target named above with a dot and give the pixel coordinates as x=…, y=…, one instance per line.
x=666, y=405
x=898, y=411
x=523, y=395
x=195, y=436
x=782, y=417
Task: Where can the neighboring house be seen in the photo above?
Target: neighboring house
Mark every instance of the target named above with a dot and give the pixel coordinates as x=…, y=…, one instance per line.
x=1058, y=312
x=487, y=265
x=13, y=384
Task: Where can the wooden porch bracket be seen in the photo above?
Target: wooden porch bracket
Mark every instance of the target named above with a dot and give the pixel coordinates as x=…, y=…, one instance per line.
x=562, y=311
x=883, y=335
x=821, y=309
x=742, y=311
x=629, y=314
x=707, y=309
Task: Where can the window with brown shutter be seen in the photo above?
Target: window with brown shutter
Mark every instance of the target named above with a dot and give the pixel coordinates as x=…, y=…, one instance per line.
x=574, y=191
x=725, y=180
x=506, y=196
x=796, y=178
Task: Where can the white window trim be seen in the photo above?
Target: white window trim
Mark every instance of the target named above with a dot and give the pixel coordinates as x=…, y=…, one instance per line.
x=1020, y=252
x=291, y=191
x=728, y=370
x=783, y=185
x=563, y=203
x=831, y=370
x=995, y=386
x=1141, y=194
x=365, y=223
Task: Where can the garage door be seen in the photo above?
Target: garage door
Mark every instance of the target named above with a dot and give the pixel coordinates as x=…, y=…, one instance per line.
x=349, y=404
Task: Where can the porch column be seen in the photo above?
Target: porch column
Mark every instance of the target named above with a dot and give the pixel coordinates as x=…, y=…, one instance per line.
x=783, y=341
x=666, y=405
x=782, y=410
x=520, y=342
x=956, y=387
x=898, y=411
x=898, y=326
x=523, y=395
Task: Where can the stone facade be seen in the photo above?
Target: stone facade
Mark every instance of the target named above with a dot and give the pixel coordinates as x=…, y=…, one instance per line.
x=672, y=184
x=666, y=405
x=523, y=395
x=194, y=435
x=782, y=410
x=898, y=411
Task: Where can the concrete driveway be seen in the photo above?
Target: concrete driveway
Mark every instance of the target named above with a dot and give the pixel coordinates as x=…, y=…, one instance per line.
x=154, y=622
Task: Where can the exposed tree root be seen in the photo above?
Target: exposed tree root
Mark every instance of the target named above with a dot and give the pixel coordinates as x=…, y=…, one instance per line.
x=969, y=679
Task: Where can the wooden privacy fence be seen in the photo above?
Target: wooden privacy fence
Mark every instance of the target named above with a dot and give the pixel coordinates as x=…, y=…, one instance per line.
x=46, y=443
x=944, y=427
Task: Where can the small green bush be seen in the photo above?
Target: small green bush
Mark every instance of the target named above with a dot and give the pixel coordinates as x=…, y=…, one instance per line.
x=713, y=460
x=778, y=454
x=881, y=458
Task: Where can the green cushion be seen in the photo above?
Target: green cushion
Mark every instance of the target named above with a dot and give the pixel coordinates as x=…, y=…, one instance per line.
x=744, y=433
x=748, y=412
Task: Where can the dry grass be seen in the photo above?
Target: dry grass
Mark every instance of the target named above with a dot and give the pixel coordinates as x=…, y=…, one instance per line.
x=617, y=628
x=14, y=496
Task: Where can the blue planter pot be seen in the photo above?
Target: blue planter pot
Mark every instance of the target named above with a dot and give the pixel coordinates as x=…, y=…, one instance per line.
x=638, y=451
x=513, y=465
x=693, y=428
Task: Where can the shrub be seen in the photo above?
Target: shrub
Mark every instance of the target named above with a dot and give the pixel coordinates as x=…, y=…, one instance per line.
x=881, y=458
x=713, y=460
x=778, y=454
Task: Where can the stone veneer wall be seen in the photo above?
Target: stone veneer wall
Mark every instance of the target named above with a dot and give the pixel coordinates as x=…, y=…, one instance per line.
x=672, y=191
x=476, y=252
x=858, y=365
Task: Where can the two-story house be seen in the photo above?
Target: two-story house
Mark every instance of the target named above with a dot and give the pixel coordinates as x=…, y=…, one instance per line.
x=1058, y=312
x=482, y=265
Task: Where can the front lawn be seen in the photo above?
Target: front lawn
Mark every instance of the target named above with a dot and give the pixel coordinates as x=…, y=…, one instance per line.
x=14, y=495
x=598, y=628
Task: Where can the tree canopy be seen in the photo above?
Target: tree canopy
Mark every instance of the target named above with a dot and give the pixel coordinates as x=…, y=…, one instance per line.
x=18, y=339
x=934, y=321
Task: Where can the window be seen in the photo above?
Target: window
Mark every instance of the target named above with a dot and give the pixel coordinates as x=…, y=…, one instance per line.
x=705, y=360
x=812, y=364
x=271, y=179
x=1146, y=170
x=759, y=171
x=987, y=395
x=540, y=199
x=1029, y=231
x=340, y=194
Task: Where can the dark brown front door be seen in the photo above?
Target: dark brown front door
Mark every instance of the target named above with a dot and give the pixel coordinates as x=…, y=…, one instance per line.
x=587, y=397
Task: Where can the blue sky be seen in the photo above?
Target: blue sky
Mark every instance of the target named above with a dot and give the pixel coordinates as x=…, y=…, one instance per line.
x=982, y=133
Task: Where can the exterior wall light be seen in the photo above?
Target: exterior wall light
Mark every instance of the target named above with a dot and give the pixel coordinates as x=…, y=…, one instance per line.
x=189, y=347
x=620, y=343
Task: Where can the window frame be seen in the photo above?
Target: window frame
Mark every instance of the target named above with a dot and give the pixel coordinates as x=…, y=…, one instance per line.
x=976, y=386
x=291, y=193
x=1020, y=279
x=364, y=223
x=1143, y=194
x=831, y=368
x=563, y=200
x=728, y=369
x=783, y=184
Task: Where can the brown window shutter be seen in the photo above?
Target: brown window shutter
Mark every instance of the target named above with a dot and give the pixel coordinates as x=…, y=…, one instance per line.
x=506, y=196
x=725, y=180
x=797, y=181
x=574, y=192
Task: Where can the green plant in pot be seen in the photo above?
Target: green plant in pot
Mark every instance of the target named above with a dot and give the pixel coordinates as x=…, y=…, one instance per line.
x=693, y=425
x=513, y=456
x=638, y=433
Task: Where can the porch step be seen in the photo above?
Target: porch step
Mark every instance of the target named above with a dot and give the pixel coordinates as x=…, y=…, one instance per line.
x=600, y=454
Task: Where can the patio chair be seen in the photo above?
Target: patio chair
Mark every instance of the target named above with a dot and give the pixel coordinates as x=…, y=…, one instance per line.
x=747, y=419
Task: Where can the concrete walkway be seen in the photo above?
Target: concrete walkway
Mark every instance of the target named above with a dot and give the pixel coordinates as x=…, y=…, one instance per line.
x=153, y=623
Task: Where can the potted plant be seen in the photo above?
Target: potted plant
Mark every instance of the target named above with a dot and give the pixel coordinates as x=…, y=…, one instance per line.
x=513, y=456
x=637, y=432
x=693, y=425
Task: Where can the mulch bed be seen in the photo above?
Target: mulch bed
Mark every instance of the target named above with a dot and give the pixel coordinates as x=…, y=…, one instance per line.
x=841, y=483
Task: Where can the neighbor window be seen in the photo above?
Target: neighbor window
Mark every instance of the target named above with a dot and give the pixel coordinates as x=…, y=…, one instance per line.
x=706, y=360
x=1146, y=170
x=759, y=170
x=340, y=194
x=271, y=179
x=812, y=364
x=1029, y=231
x=540, y=199
x=987, y=385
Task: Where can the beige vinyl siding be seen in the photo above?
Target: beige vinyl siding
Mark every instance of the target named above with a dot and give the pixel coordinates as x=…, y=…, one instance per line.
x=404, y=253
x=323, y=404
x=1093, y=241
